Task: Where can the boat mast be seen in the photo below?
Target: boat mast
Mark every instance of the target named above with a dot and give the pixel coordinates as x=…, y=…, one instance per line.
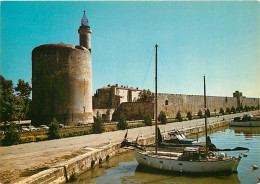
x=205, y=108
x=156, y=132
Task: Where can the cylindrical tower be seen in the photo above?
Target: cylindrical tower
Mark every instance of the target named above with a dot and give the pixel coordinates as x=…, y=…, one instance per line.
x=62, y=84
x=85, y=33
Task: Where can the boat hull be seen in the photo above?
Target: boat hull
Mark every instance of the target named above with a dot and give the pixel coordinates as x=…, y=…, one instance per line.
x=229, y=165
x=245, y=123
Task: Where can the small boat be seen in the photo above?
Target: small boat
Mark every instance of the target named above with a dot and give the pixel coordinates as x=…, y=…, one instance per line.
x=191, y=159
x=179, y=138
x=247, y=121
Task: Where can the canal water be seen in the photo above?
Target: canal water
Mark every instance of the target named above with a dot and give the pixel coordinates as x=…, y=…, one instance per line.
x=125, y=169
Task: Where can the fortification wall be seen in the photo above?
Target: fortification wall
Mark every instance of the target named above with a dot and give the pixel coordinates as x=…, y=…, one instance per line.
x=172, y=103
x=137, y=110
x=102, y=99
x=62, y=84
x=250, y=101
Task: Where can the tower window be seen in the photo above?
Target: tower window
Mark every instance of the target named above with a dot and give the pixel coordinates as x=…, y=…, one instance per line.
x=166, y=102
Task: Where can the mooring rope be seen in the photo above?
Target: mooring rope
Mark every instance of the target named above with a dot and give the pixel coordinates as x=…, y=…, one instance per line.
x=250, y=171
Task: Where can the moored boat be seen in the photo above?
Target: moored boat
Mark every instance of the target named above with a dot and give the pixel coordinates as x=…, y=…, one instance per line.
x=247, y=121
x=191, y=159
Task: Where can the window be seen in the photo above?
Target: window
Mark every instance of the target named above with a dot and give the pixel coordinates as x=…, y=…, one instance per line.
x=166, y=102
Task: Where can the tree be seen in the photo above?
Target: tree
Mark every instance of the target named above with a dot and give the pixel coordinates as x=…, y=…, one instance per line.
x=54, y=130
x=178, y=116
x=162, y=117
x=145, y=95
x=221, y=111
x=238, y=109
x=23, y=90
x=116, y=114
x=228, y=111
x=14, y=107
x=241, y=108
x=9, y=102
x=200, y=113
x=98, y=126
x=122, y=124
x=246, y=108
x=189, y=115
x=208, y=113
x=12, y=135
x=148, y=120
x=233, y=110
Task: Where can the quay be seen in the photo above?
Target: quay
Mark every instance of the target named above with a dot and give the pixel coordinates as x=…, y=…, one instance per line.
x=23, y=157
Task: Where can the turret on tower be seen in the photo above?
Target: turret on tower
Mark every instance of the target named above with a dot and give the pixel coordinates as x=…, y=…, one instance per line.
x=85, y=33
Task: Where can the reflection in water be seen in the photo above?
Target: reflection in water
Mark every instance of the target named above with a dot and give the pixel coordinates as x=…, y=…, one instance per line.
x=247, y=131
x=124, y=168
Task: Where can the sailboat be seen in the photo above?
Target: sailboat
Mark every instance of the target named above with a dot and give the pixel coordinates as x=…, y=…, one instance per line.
x=192, y=159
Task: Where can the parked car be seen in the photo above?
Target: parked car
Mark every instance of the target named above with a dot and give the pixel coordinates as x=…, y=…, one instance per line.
x=81, y=124
x=32, y=128
x=45, y=127
x=25, y=129
x=62, y=126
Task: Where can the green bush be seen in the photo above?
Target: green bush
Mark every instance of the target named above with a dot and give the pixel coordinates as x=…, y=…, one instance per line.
x=116, y=114
x=189, y=115
x=135, y=125
x=238, y=109
x=172, y=120
x=148, y=120
x=122, y=124
x=178, y=116
x=162, y=118
x=73, y=177
x=233, y=110
x=54, y=130
x=98, y=126
x=195, y=117
x=228, y=111
x=246, y=118
x=208, y=113
x=200, y=113
x=246, y=108
x=221, y=111
x=12, y=136
x=236, y=118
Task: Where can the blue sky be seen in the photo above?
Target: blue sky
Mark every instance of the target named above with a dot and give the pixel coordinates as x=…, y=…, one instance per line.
x=219, y=39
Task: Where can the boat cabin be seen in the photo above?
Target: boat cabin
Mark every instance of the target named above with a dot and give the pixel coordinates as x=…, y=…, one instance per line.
x=190, y=154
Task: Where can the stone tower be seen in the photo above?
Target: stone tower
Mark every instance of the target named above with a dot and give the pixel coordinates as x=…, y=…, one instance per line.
x=62, y=81
x=85, y=33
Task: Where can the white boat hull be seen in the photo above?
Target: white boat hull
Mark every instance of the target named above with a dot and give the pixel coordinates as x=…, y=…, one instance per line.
x=228, y=165
x=245, y=123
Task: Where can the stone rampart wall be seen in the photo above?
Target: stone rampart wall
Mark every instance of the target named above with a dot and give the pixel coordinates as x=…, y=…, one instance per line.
x=172, y=103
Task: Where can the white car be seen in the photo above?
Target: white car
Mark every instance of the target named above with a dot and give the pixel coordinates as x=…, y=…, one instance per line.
x=32, y=128
x=45, y=127
x=25, y=129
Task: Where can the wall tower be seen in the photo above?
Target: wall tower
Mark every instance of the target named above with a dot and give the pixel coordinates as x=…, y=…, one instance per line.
x=62, y=81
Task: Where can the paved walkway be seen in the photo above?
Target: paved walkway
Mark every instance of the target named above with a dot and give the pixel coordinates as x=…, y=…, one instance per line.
x=24, y=156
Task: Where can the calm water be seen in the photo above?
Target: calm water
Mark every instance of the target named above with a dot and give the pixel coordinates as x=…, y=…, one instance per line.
x=124, y=168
